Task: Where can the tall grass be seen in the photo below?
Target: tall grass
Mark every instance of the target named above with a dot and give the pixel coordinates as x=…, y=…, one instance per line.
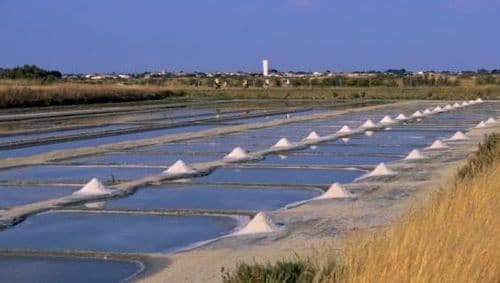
x=454, y=236
x=25, y=93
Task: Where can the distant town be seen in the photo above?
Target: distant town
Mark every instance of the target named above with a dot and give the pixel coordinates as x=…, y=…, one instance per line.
x=267, y=77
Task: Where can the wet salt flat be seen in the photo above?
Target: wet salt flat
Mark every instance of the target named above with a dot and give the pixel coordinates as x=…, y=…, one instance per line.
x=156, y=158
x=279, y=176
x=19, y=195
x=133, y=223
x=318, y=158
x=113, y=232
x=27, y=269
x=96, y=141
x=232, y=198
x=76, y=174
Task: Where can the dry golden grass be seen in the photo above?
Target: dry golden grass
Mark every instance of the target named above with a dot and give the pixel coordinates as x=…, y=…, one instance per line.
x=453, y=237
x=25, y=93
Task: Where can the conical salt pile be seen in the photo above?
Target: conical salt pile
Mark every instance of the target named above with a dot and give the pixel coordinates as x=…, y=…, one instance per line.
x=94, y=187
x=472, y=102
x=491, y=120
x=458, y=136
x=479, y=100
x=261, y=223
x=283, y=142
x=344, y=129
x=481, y=124
x=179, y=167
x=465, y=103
x=346, y=140
x=400, y=117
x=438, y=109
x=368, y=124
x=414, y=155
x=417, y=114
x=386, y=120
x=427, y=111
x=312, y=136
x=456, y=105
x=448, y=107
x=381, y=170
x=437, y=144
x=335, y=191
x=369, y=133
x=237, y=153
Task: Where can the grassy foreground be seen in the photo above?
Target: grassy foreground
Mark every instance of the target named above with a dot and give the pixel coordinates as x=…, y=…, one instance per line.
x=454, y=236
x=25, y=93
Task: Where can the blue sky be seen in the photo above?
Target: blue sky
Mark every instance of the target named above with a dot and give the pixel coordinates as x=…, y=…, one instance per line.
x=232, y=35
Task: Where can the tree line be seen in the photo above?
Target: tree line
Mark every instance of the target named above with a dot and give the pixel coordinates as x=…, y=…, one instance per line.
x=30, y=72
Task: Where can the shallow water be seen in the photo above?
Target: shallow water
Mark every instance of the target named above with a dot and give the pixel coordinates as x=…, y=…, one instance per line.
x=17, y=195
x=172, y=196
x=113, y=232
x=20, y=152
x=30, y=269
x=159, y=158
x=75, y=173
x=325, y=159
x=280, y=176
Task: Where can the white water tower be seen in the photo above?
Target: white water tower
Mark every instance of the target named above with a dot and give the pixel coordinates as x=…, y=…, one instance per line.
x=265, y=67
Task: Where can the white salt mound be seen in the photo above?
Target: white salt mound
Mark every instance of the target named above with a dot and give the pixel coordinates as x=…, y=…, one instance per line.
x=438, y=109
x=479, y=100
x=417, y=114
x=438, y=144
x=491, y=120
x=448, y=107
x=312, y=136
x=344, y=129
x=427, y=111
x=283, y=142
x=237, y=153
x=346, y=140
x=400, y=117
x=369, y=133
x=336, y=191
x=179, y=167
x=414, y=155
x=368, y=124
x=481, y=124
x=94, y=187
x=456, y=105
x=386, y=120
x=261, y=223
x=458, y=136
x=381, y=170
x=465, y=103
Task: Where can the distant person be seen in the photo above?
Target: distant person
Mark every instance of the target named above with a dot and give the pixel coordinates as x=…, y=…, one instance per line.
x=217, y=84
x=287, y=116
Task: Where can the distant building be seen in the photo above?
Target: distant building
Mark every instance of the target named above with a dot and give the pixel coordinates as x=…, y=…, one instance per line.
x=265, y=67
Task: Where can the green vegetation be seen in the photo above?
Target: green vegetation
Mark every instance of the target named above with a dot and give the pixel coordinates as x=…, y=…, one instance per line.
x=30, y=72
x=283, y=271
x=487, y=154
x=451, y=237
